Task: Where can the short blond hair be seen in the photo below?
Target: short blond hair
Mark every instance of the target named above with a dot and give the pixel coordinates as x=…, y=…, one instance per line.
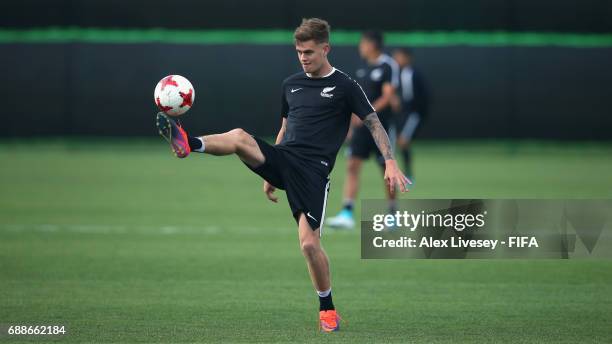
x=312, y=29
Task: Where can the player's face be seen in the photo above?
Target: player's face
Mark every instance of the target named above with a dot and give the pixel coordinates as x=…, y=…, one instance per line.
x=366, y=48
x=401, y=59
x=312, y=55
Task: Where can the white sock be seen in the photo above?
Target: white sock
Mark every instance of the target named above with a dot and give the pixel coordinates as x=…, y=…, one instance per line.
x=201, y=149
x=324, y=293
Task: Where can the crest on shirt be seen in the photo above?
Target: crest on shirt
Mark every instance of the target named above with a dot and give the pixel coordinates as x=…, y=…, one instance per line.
x=325, y=93
x=376, y=74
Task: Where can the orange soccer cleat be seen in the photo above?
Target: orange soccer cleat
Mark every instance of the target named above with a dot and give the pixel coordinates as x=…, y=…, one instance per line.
x=329, y=321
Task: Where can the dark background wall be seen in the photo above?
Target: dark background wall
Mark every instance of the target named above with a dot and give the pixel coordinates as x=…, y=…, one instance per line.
x=80, y=88
x=103, y=89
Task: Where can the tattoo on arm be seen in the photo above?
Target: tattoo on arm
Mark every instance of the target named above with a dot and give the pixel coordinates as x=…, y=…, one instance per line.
x=379, y=134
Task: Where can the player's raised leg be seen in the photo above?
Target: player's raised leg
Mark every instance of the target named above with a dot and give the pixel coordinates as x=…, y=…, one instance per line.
x=318, y=267
x=236, y=141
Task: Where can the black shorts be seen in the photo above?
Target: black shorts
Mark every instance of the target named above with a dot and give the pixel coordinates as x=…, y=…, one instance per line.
x=305, y=181
x=362, y=143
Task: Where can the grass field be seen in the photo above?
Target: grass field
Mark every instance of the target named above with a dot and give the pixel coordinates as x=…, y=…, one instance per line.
x=121, y=242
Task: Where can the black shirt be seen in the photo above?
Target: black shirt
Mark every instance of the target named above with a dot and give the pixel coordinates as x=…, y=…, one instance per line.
x=415, y=95
x=372, y=77
x=318, y=112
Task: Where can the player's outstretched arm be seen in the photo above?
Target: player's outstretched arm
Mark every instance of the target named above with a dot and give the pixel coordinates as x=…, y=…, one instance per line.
x=267, y=187
x=393, y=175
x=386, y=99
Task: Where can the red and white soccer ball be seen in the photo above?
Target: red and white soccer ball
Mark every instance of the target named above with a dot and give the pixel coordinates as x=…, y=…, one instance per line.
x=174, y=95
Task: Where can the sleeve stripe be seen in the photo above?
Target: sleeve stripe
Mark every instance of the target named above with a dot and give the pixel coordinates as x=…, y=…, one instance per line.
x=364, y=95
x=395, y=78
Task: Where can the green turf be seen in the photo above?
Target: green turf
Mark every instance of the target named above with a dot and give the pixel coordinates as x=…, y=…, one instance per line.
x=122, y=242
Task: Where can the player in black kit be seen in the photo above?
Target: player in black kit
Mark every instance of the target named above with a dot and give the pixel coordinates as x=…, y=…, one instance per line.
x=316, y=108
x=379, y=77
x=412, y=103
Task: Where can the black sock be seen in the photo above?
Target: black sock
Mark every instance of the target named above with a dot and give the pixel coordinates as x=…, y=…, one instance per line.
x=392, y=206
x=194, y=143
x=348, y=205
x=326, y=303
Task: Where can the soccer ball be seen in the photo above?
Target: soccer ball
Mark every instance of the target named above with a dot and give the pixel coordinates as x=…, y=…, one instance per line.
x=174, y=95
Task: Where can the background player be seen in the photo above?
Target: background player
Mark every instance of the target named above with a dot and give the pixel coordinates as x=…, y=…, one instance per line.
x=379, y=76
x=316, y=111
x=413, y=105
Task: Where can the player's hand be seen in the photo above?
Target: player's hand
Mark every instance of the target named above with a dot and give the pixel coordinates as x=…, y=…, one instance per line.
x=402, y=142
x=269, y=191
x=396, y=104
x=394, y=177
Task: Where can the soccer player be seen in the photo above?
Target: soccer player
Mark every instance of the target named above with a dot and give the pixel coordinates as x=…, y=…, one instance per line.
x=316, y=108
x=413, y=104
x=379, y=76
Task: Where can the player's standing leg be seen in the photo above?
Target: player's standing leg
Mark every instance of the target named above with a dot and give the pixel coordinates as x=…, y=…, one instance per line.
x=344, y=219
x=407, y=156
x=318, y=267
x=405, y=142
